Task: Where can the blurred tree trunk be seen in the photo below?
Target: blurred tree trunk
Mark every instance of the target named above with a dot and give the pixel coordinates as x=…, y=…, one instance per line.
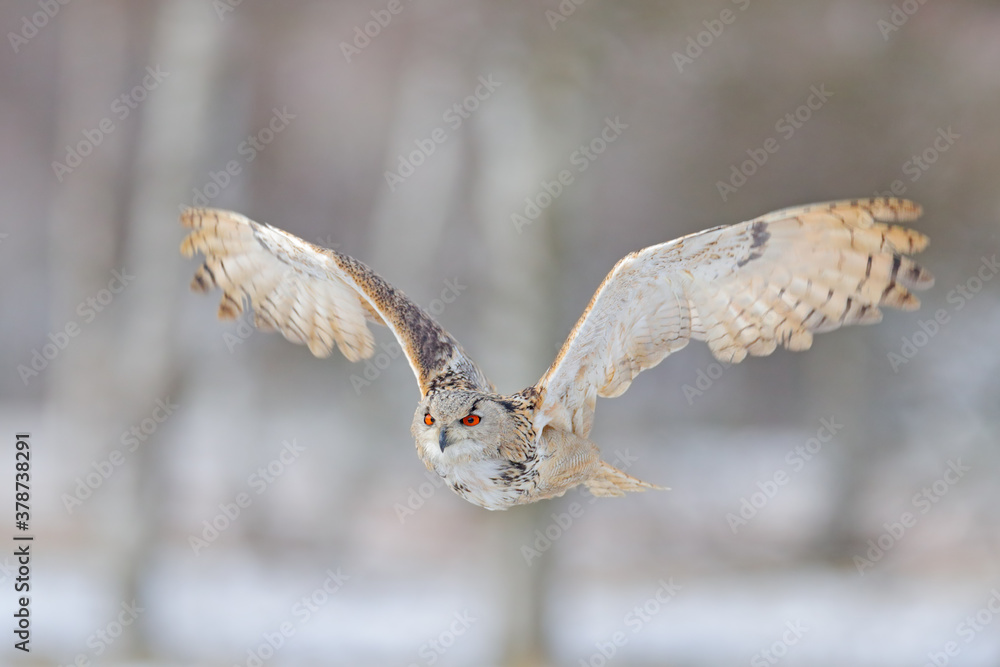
x=514, y=323
x=186, y=42
x=127, y=358
x=88, y=387
x=525, y=139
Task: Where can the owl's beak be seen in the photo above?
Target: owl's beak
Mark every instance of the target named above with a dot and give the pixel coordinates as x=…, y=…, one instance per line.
x=443, y=438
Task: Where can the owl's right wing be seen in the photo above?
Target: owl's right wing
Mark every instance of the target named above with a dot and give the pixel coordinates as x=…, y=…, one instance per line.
x=318, y=297
x=744, y=289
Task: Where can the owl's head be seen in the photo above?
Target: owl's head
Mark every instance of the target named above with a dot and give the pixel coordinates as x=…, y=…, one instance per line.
x=453, y=427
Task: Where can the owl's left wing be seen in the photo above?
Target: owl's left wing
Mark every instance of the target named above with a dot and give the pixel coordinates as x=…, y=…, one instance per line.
x=745, y=288
x=318, y=297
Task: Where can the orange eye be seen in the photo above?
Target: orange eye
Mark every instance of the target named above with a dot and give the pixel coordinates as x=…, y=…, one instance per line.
x=428, y=419
x=471, y=420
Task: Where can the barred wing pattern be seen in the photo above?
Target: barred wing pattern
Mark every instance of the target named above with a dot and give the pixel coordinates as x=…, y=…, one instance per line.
x=317, y=297
x=744, y=289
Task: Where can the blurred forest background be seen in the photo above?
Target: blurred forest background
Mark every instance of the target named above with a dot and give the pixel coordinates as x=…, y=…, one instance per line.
x=419, y=136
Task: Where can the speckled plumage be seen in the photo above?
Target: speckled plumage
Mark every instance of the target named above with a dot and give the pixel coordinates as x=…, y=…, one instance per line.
x=744, y=289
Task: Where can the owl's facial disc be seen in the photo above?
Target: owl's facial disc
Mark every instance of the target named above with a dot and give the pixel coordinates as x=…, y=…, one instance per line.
x=457, y=431
x=455, y=426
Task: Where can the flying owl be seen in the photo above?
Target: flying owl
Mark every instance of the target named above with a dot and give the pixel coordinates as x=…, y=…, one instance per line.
x=743, y=289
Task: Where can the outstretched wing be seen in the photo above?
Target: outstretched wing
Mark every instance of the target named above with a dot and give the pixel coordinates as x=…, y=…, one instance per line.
x=745, y=288
x=318, y=297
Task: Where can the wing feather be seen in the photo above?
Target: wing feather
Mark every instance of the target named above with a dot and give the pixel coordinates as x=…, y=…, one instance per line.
x=743, y=289
x=317, y=297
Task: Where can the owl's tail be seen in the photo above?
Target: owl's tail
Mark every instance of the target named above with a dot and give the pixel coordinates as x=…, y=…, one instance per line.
x=610, y=481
